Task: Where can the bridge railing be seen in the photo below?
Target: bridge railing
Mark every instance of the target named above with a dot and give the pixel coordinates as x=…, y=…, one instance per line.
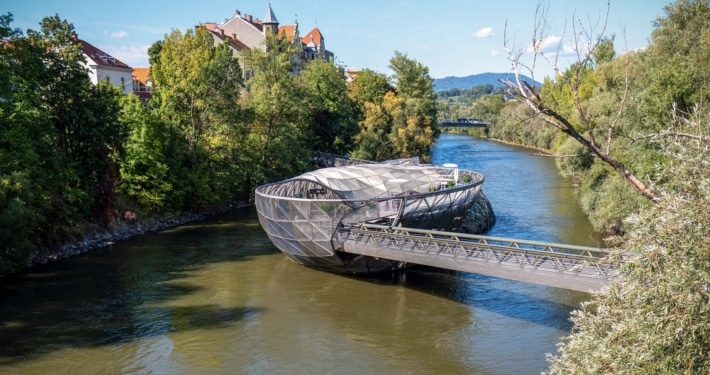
x=567, y=266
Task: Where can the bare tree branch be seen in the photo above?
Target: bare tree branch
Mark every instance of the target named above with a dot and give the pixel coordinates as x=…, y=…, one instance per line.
x=614, y=122
x=584, y=46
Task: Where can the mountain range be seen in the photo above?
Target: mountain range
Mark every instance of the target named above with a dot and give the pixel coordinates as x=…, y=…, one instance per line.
x=467, y=82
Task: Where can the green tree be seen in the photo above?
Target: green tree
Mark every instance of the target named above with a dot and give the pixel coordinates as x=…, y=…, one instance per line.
x=198, y=122
x=369, y=87
x=604, y=52
x=676, y=61
x=279, y=130
x=417, y=134
x=333, y=113
x=373, y=141
x=146, y=175
x=18, y=219
x=29, y=176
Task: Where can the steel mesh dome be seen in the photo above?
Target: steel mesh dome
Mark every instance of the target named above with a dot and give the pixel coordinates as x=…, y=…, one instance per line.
x=302, y=215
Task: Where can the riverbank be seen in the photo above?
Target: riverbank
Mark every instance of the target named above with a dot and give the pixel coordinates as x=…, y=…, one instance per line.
x=540, y=149
x=94, y=236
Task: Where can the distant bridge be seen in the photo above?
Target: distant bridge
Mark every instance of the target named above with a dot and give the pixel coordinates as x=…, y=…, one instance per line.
x=464, y=123
x=564, y=266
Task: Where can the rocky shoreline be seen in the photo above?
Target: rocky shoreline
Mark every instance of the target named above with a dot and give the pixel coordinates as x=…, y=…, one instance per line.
x=96, y=236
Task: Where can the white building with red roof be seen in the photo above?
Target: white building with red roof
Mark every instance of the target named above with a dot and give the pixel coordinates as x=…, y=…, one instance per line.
x=103, y=66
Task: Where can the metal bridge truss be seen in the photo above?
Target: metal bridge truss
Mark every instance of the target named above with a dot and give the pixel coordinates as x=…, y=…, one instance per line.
x=564, y=266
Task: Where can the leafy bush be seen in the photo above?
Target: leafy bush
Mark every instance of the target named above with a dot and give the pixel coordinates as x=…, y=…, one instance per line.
x=17, y=221
x=655, y=321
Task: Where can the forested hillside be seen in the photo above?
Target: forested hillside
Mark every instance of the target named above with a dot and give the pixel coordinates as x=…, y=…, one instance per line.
x=482, y=79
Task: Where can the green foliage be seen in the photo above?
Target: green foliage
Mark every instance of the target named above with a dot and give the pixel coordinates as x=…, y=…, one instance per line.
x=333, y=113
x=474, y=92
x=18, y=219
x=605, y=51
x=369, y=87
x=280, y=128
x=516, y=123
x=397, y=124
x=655, y=320
x=184, y=148
x=58, y=131
x=676, y=60
x=145, y=172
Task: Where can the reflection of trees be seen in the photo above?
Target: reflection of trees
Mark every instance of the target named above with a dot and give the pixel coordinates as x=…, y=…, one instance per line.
x=120, y=294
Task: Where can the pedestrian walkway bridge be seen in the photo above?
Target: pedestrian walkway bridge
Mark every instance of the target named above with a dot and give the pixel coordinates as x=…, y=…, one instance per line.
x=563, y=266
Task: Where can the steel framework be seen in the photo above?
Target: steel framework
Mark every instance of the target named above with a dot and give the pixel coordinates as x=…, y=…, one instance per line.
x=564, y=266
x=302, y=215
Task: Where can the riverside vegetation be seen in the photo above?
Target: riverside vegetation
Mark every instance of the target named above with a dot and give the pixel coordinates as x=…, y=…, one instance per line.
x=202, y=141
x=646, y=111
x=76, y=156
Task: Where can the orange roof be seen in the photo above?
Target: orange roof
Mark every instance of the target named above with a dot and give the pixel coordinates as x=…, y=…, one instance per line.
x=141, y=74
x=288, y=30
x=317, y=36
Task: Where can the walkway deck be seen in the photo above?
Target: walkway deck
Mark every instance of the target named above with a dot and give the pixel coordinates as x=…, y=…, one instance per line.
x=564, y=266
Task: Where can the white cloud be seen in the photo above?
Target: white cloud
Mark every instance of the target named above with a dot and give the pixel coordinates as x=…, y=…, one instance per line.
x=485, y=32
x=134, y=56
x=119, y=35
x=553, y=45
x=495, y=53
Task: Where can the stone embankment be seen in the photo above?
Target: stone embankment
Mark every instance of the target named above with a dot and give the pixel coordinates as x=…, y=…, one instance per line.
x=96, y=236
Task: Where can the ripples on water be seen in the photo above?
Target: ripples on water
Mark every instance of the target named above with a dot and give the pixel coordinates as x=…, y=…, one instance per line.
x=217, y=297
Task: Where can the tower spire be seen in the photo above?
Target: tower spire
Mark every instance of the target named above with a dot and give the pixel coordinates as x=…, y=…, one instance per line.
x=270, y=22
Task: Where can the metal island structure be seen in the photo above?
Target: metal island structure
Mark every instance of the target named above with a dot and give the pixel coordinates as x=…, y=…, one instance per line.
x=309, y=216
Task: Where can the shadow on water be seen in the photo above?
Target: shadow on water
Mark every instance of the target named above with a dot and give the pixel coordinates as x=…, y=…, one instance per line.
x=519, y=300
x=123, y=292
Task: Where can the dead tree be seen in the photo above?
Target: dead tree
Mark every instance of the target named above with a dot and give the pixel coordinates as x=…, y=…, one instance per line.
x=584, y=44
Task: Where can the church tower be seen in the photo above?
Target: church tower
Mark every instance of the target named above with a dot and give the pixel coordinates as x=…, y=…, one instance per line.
x=270, y=23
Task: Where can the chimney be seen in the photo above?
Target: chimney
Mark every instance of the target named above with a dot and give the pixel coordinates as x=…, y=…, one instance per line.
x=221, y=32
x=74, y=36
x=237, y=13
x=234, y=36
x=249, y=17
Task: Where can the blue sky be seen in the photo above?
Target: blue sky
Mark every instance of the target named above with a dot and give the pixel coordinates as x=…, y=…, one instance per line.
x=451, y=37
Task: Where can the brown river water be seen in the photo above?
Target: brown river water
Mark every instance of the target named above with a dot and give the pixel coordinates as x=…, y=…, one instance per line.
x=216, y=297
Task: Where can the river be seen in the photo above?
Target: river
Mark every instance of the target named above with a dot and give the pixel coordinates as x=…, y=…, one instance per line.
x=216, y=297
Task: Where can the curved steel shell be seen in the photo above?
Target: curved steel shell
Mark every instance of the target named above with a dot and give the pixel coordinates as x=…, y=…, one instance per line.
x=302, y=215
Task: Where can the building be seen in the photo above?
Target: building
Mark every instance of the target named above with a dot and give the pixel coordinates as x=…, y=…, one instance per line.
x=103, y=66
x=244, y=31
x=351, y=74
x=141, y=83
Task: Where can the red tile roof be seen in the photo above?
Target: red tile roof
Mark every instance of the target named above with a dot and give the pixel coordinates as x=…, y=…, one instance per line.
x=100, y=57
x=288, y=30
x=317, y=36
x=141, y=74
